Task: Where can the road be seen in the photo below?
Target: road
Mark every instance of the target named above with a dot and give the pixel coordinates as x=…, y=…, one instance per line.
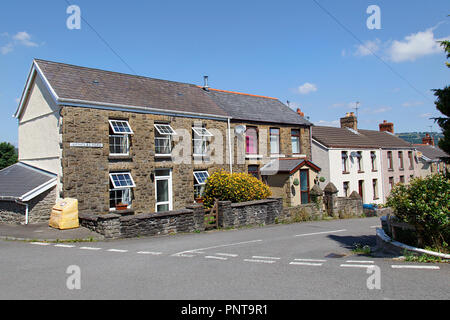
x=283, y=262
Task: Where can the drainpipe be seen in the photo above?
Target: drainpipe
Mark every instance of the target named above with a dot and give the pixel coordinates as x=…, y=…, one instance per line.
x=26, y=211
x=229, y=146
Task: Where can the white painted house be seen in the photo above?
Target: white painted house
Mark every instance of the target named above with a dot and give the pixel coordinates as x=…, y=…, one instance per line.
x=349, y=160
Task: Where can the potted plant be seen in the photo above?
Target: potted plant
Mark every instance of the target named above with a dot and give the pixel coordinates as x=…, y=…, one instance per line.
x=121, y=206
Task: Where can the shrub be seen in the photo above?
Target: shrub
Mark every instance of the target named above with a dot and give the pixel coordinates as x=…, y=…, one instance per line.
x=236, y=187
x=425, y=204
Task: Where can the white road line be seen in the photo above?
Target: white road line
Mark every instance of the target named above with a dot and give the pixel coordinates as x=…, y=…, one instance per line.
x=265, y=258
x=306, y=264
x=259, y=261
x=150, y=253
x=184, y=255
x=227, y=255
x=216, y=258
x=90, y=248
x=359, y=261
x=118, y=251
x=40, y=244
x=356, y=266
x=64, y=246
x=215, y=247
x=415, y=267
x=317, y=233
x=310, y=260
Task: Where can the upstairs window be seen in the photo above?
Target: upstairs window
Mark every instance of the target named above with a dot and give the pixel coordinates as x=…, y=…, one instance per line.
x=119, y=141
x=400, y=160
x=359, y=159
x=344, y=156
x=390, y=162
x=251, y=140
x=163, y=139
x=275, y=141
x=200, y=140
x=373, y=157
x=411, y=161
x=295, y=138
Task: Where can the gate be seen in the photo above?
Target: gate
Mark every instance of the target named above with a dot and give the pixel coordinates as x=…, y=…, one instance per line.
x=212, y=217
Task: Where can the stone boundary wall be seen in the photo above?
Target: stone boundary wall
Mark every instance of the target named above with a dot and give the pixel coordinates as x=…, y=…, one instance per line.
x=114, y=226
x=39, y=209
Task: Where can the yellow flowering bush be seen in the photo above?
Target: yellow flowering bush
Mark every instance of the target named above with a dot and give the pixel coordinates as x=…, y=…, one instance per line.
x=236, y=187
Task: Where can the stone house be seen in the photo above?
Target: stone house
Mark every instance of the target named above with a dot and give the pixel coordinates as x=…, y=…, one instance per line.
x=430, y=157
x=133, y=145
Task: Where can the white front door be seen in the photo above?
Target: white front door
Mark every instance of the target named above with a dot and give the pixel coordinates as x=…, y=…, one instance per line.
x=163, y=187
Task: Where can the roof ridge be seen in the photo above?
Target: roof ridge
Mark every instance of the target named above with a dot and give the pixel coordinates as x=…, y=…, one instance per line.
x=113, y=72
x=241, y=93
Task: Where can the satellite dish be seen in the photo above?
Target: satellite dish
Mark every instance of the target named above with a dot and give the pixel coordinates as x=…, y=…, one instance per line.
x=240, y=130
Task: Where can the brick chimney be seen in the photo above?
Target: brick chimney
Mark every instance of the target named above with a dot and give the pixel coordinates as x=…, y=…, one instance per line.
x=387, y=127
x=349, y=121
x=428, y=140
x=302, y=114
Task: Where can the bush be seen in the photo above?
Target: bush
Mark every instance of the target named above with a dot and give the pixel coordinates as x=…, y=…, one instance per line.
x=425, y=205
x=236, y=187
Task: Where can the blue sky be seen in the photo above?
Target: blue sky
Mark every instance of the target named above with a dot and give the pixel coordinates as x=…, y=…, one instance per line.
x=292, y=50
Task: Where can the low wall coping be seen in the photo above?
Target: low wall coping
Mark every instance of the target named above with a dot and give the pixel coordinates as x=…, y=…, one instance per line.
x=157, y=215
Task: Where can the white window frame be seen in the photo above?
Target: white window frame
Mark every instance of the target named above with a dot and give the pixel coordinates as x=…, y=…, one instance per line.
x=159, y=126
x=203, y=135
x=160, y=178
x=132, y=185
x=199, y=184
x=164, y=136
x=112, y=122
x=127, y=146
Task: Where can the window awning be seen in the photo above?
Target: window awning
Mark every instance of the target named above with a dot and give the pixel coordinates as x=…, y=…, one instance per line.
x=120, y=127
x=201, y=177
x=202, y=132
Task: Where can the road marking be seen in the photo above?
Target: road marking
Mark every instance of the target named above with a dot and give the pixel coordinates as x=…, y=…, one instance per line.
x=90, y=248
x=265, y=258
x=359, y=261
x=227, y=255
x=184, y=255
x=215, y=247
x=415, y=267
x=150, y=253
x=317, y=233
x=356, y=266
x=118, y=251
x=310, y=260
x=64, y=246
x=306, y=264
x=259, y=261
x=216, y=258
x=40, y=244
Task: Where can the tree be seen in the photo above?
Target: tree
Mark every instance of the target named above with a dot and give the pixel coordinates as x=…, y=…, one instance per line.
x=8, y=155
x=443, y=105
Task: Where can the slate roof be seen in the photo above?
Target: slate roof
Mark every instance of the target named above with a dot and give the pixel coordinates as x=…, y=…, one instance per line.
x=81, y=83
x=248, y=107
x=432, y=153
x=333, y=137
x=19, y=179
x=385, y=139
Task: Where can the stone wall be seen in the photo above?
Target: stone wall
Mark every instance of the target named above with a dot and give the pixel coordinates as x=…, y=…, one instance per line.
x=262, y=212
x=114, y=226
x=39, y=209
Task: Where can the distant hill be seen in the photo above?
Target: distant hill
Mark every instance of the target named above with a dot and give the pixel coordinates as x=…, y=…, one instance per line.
x=416, y=137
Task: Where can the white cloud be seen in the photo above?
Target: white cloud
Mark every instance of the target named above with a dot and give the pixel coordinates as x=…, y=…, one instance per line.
x=409, y=104
x=22, y=38
x=335, y=123
x=307, y=88
x=382, y=110
x=369, y=48
x=414, y=46
x=426, y=115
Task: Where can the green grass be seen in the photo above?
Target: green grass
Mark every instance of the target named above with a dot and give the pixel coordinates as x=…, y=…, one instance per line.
x=360, y=249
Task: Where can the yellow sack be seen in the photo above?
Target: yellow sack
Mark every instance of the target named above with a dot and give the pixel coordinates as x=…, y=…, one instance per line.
x=65, y=215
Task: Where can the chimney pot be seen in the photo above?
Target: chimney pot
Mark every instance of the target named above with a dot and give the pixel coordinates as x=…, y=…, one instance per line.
x=350, y=121
x=387, y=127
x=206, y=86
x=302, y=114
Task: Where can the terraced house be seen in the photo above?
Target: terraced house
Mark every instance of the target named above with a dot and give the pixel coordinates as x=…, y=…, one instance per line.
x=142, y=145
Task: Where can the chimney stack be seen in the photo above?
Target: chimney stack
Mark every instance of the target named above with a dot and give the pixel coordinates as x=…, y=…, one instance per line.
x=350, y=121
x=206, y=86
x=387, y=127
x=428, y=140
x=302, y=114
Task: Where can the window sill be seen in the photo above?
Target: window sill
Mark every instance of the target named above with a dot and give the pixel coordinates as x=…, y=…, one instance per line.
x=120, y=157
x=128, y=212
x=345, y=172
x=374, y=171
x=276, y=156
x=361, y=172
x=163, y=156
x=253, y=156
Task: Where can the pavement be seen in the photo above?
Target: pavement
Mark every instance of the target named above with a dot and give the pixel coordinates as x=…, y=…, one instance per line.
x=42, y=232
x=311, y=260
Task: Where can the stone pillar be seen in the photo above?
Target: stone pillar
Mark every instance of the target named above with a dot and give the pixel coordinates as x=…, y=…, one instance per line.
x=225, y=216
x=198, y=212
x=330, y=200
